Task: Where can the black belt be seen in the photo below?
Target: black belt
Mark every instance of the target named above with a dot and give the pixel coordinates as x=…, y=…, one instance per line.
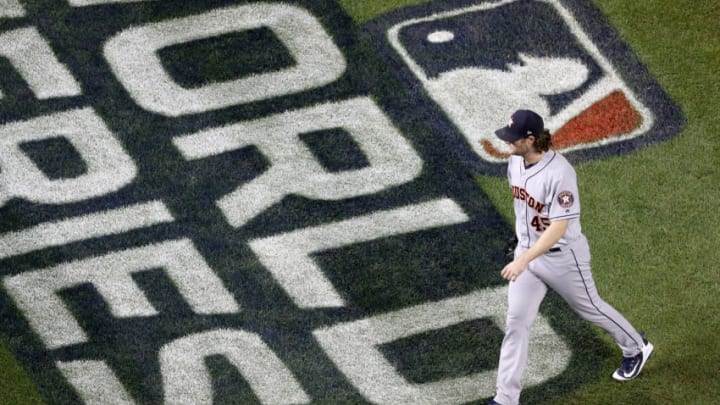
x=554, y=250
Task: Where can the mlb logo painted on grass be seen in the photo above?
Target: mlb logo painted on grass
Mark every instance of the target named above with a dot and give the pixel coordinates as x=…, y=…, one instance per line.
x=205, y=202
x=479, y=61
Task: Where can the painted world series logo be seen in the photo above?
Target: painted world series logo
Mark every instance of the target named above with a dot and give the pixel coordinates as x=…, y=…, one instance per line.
x=261, y=202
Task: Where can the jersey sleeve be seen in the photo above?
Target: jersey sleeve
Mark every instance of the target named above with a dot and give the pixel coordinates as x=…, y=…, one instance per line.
x=564, y=196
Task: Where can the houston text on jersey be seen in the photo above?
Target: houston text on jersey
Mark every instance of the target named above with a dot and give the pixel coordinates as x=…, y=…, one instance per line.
x=521, y=194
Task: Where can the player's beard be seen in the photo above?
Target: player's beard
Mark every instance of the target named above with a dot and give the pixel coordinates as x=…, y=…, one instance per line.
x=520, y=148
x=526, y=150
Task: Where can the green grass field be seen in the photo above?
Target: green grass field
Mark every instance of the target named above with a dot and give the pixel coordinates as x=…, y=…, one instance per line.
x=651, y=216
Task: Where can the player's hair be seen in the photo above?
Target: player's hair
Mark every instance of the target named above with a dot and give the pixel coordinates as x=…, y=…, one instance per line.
x=543, y=141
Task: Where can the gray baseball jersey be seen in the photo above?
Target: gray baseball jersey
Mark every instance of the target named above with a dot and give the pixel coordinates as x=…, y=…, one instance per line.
x=543, y=193
x=546, y=192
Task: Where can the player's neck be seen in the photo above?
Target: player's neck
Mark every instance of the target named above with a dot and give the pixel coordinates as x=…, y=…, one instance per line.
x=533, y=157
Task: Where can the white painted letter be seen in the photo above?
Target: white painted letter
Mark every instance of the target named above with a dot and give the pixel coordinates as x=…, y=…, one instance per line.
x=133, y=57
x=35, y=292
x=187, y=381
x=353, y=347
x=35, y=61
x=294, y=170
x=11, y=9
x=83, y=3
x=108, y=166
x=95, y=382
x=287, y=256
x=111, y=222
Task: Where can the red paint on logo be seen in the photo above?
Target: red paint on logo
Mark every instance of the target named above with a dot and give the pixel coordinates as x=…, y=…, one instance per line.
x=611, y=116
x=490, y=149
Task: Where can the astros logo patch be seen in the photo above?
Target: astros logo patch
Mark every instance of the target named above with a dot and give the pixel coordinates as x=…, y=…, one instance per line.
x=566, y=199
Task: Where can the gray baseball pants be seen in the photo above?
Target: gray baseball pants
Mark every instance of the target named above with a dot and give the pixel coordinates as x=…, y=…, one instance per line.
x=568, y=273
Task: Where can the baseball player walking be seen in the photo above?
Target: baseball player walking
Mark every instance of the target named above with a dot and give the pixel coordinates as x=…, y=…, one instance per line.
x=551, y=252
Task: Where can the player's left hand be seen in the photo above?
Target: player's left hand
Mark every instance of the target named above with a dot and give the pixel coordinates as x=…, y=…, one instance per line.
x=513, y=270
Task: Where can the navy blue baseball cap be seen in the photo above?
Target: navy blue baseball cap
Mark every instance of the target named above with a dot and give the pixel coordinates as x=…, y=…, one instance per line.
x=523, y=123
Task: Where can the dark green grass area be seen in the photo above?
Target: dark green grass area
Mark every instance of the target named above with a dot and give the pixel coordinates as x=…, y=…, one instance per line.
x=15, y=386
x=651, y=218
